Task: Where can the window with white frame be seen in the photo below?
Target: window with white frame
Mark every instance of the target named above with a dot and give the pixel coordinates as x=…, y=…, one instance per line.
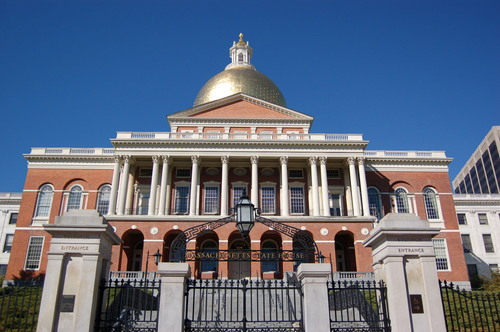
x=462, y=219
x=483, y=219
x=183, y=172
x=74, y=198
x=103, y=199
x=237, y=193
x=211, y=199
x=466, y=242
x=488, y=243
x=181, y=205
x=34, y=253
x=9, y=238
x=441, y=252
x=297, y=204
x=268, y=199
x=375, y=203
x=143, y=203
x=401, y=198
x=13, y=218
x=296, y=173
x=44, y=201
x=431, y=201
x=333, y=173
x=335, y=204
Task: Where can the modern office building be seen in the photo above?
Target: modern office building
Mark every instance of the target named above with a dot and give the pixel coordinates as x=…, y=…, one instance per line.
x=240, y=136
x=477, y=202
x=9, y=209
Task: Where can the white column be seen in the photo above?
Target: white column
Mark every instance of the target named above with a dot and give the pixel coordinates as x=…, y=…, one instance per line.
x=123, y=185
x=324, y=186
x=284, y=186
x=315, y=189
x=154, y=186
x=163, y=184
x=224, y=185
x=255, y=181
x=364, y=187
x=354, y=185
x=114, y=187
x=194, y=185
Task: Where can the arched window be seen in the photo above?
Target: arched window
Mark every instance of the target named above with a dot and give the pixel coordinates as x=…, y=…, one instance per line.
x=209, y=259
x=374, y=202
x=269, y=256
x=74, y=198
x=431, y=203
x=103, y=199
x=402, y=200
x=44, y=201
x=240, y=57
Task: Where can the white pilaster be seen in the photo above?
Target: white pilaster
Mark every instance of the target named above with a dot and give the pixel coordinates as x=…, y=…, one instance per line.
x=315, y=189
x=163, y=184
x=364, y=187
x=123, y=185
x=224, y=185
x=324, y=186
x=284, y=186
x=255, y=181
x=354, y=186
x=194, y=185
x=114, y=186
x=154, y=185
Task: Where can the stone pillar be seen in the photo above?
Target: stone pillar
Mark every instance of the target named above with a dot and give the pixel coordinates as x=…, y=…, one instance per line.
x=284, y=186
x=354, y=185
x=404, y=259
x=163, y=185
x=78, y=258
x=324, y=186
x=315, y=188
x=114, y=186
x=194, y=186
x=364, y=187
x=123, y=185
x=224, y=186
x=154, y=187
x=313, y=278
x=172, y=299
x=255, y=181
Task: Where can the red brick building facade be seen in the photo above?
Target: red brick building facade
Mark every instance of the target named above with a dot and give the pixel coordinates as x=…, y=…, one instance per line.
x=238, y=136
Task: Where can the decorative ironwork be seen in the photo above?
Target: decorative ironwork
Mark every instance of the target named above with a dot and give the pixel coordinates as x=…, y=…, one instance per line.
x=357, y=306
x=470, y=311
x=128, y=305
x=247, y=255
x=243, y=305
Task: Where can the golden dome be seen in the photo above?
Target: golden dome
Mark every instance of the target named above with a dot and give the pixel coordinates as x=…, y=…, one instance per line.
x=240, y=79
x=240, y=76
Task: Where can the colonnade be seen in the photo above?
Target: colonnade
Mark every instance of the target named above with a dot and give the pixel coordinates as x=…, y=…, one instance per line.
x=122, y=186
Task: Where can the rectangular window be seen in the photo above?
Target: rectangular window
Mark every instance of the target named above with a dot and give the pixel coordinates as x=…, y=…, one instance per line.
x=237, y=192
x=472, y=270
x=335, y=204
x=3, y=269
x=488, y=243
x=466, y=243
x=268, y=203
x=297, y=200
x=211, y=200
x=296, y=174
x=34, y=253
x=333, y=173
x=483, y=219
x=145, y=172
x=9, y=238
x=183, y=172
x=181, y=200
x=462, y=220
x=441, y=252
x=13, y=219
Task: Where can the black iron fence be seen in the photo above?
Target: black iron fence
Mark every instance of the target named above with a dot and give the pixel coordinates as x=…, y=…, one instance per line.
x=128, y=305
x=243, y=305
x=468, y=310
x=357, y=306
x=20, y=305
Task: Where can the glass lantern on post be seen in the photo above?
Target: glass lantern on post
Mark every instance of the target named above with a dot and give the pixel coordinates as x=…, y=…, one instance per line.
x=245, y=215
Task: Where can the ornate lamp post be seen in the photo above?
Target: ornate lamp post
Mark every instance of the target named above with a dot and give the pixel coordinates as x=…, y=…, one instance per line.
x=245, y=215
x=157, y=259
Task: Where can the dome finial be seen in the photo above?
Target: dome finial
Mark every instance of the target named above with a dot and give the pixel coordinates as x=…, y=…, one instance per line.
x=241, y=41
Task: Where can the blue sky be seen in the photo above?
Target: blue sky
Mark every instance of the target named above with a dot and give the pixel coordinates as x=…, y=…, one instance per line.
x=409, y=75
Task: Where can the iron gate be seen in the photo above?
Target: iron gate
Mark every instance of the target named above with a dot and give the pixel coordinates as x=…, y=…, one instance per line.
x=357, y=306
x=128, y=305
x=243, y=305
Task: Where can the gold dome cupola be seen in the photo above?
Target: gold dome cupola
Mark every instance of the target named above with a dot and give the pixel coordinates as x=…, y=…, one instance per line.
x=240, y=76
